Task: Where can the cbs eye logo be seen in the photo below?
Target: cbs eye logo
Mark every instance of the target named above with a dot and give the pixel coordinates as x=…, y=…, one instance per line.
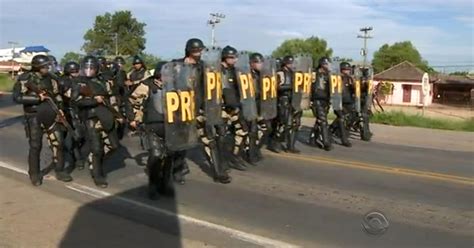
x=375, y=223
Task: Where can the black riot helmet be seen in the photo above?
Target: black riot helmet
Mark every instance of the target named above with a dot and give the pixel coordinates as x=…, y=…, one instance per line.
x=102, y=61
x=278, y=62
x=89, y=66
x=345, y=66
x=52, y=60
x=39, y=61
x=119, y=60
x=193, y=44
x=157, y=72
x=71, y=67
x=137, y=60
x=53, y=63
x=288, y=59
x=114, y=68
x=228, y=51
x=323, y=61
x=256, y=58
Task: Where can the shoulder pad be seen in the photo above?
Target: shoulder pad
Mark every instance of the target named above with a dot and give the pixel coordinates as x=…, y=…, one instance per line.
x=24, y=76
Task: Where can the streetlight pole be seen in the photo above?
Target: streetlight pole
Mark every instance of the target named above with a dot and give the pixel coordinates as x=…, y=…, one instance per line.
x=215, y=19
x=365, y=36
x=13, y=43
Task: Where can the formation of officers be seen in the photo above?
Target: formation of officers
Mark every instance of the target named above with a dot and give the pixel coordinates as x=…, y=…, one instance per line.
x=229, y=103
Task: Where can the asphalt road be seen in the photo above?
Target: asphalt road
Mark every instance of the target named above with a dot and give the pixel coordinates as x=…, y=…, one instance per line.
x=314, y=199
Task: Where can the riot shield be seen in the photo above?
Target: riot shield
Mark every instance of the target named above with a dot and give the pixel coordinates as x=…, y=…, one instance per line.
x=357, y=86
x=307, y=81
x=367, y=88
x=336, y=87
x=179, y=106
x=268, y=90
x=211, y=59
x=246, y=87
x=301, y=82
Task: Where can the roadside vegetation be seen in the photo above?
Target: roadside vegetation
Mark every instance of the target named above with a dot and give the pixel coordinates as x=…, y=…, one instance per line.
x=6, y=83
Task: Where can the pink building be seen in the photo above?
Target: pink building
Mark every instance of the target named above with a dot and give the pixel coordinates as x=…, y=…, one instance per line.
x=406, y=79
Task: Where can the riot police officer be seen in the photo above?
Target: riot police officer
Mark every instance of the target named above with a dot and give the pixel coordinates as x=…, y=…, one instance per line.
x=138, y=72
x=261, y=128
x=339, y=125
x=289, y=119
x=73, y=146
x=53, y=66
x=160, y=161
x=210, y=125
x=37, y=91
x=320, y=101
x=232, y=108
x=366, y=101
x=91, y=96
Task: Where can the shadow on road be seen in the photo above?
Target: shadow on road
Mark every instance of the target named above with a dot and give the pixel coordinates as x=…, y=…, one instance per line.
x=11, y=121
x=154, y=225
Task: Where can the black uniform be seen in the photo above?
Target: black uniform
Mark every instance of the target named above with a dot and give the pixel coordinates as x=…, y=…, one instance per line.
x=339, y=125
x=237, y=127
x=40, y=118
x=260, y=129
x=74, y=145
x=100, y=118
x=320, y=103
x=288, y=119
x=160, y=161
x=366, y=101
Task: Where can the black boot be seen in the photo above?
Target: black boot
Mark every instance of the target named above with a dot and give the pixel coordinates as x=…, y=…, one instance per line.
x=166, y=186
x=36, y=179
x=180, y=169
x=79, y=164
x=313, y=137
x=98, y=174
x=291, y=142
x=61, y=173
x=344, y=133
x=326, y=137
x=63, y=176
x=275, y=146
x=220, y=173
x=236, y=162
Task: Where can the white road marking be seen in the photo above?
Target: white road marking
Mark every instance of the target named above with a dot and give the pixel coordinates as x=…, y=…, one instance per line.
x=233, y=233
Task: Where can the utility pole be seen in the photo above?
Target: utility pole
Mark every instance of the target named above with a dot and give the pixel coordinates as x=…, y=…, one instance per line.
x=215, y=19
x=366, y=36
x=13, y=43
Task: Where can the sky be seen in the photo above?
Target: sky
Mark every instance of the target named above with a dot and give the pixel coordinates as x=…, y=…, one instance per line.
x=442, y=30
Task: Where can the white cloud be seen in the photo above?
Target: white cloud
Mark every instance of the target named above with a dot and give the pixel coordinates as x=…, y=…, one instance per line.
x=284, y=33
x=250, y=25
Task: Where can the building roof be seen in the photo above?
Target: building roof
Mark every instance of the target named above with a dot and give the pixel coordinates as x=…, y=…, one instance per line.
x=404, y=71
x=35, y=49
x=454, y=79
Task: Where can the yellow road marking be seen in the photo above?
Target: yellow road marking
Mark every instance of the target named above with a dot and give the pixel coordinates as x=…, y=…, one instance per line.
x=379, y=168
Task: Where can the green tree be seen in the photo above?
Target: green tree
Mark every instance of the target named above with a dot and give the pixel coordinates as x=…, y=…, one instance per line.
x=120, y=26
x=390, y=55
x=313, y=45
x=71, y=56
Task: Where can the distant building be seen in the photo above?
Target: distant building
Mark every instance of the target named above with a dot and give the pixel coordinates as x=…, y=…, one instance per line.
x=22, y=55
x=454, y=90
x=406, y=80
